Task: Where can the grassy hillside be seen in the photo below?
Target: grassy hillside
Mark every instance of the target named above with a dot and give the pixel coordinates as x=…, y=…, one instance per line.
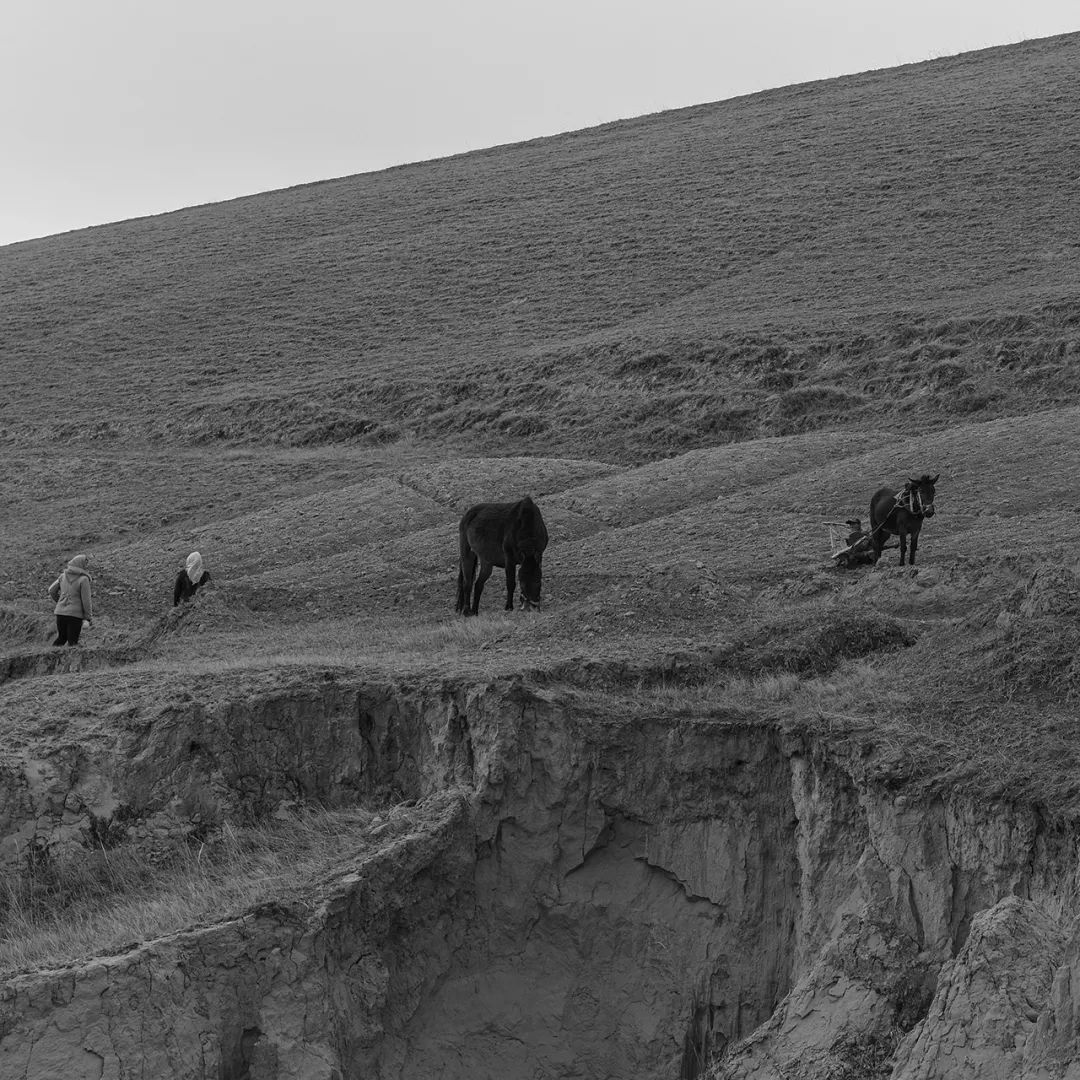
x=836, y=251
x=693, y=338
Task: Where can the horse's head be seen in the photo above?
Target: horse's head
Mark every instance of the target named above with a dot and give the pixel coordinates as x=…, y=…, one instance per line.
x=529, y=579
x=921, y=494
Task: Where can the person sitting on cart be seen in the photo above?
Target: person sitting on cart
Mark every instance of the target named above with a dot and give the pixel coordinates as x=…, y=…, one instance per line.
x=860, y=550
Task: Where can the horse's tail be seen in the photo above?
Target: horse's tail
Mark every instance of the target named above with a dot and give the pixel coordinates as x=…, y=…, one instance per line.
x=464, y=553
x=463, y=536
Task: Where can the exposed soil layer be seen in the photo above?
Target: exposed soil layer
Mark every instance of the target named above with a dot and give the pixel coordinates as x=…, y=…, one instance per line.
x=587, y=895
x=720, y=810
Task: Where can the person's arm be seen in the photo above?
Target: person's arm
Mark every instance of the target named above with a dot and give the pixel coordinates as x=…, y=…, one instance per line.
x=84, y=596
x=54, y=590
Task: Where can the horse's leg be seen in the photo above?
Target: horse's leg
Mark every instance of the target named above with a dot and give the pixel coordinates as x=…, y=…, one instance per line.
x=478, y=585
x=877, y=542
x=902, y=533
x=511, y=583
x=914, y=546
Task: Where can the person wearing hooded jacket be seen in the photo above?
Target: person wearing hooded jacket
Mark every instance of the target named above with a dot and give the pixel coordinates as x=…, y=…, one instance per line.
x=190, y=578
x=71, y=591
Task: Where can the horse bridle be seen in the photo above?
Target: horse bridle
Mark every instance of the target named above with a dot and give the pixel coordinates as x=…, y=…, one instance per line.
x=913, y=497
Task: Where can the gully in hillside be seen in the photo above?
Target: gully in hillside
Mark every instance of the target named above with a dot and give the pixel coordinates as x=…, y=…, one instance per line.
x=902, y=514
x=501, y=534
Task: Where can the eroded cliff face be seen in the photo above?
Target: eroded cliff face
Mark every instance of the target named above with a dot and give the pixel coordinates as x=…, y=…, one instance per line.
x=276, y=993
x=895, y=966
x=586, y=897
x=636, y=901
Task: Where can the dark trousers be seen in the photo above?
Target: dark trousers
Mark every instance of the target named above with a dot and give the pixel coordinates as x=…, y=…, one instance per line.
x=68, y=628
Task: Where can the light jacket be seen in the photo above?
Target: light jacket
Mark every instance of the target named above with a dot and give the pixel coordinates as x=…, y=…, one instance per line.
x=71, y=590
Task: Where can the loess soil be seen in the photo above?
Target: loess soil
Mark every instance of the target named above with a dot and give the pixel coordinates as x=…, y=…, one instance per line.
x=693, y=338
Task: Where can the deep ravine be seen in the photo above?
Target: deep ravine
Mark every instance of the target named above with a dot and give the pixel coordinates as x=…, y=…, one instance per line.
x=588, y=897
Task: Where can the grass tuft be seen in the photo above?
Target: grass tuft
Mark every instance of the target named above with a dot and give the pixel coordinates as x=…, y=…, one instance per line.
x=21, y=627
x=100, y=900
x=814, y=642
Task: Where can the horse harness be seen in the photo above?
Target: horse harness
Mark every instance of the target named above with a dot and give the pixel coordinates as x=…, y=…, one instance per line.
x=906, y=500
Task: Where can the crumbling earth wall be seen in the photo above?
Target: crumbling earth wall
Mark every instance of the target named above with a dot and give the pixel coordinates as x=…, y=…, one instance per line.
x=593, y=896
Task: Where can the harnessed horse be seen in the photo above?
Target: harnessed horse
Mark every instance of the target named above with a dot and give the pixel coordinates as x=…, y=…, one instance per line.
x=901, y=513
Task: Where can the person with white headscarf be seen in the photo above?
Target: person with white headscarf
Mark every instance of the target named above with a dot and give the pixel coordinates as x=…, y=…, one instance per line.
x=71, y=592
x=190, y=578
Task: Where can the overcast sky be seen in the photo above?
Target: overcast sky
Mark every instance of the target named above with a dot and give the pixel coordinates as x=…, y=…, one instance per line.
x=113, y=109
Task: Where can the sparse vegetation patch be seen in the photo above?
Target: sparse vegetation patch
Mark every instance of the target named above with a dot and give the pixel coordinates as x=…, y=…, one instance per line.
x=814, y=642
x=107, y=898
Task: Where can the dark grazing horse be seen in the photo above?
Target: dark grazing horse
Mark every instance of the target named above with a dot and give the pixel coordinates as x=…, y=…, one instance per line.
x=501, y=534
x=901, y=514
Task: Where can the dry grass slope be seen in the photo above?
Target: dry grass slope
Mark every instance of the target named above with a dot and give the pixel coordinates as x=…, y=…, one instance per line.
x=806, y=256
x=106, y=898
x=693, y=337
